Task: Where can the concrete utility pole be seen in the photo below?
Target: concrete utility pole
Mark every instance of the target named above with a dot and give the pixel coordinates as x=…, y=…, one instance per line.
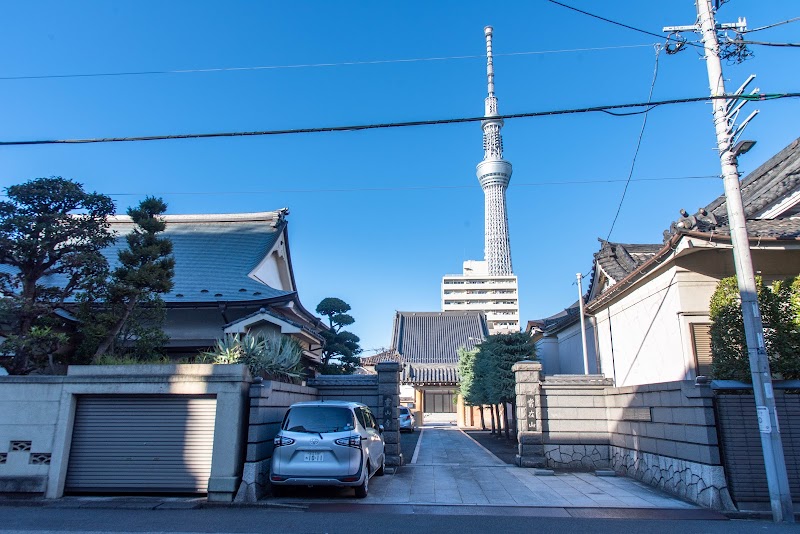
x=777, y=479
x=583, y=325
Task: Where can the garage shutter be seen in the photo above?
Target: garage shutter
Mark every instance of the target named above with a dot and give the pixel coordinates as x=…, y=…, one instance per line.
x=141, y=444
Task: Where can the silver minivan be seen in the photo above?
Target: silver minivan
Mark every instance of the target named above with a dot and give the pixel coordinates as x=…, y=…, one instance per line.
x=327, y=443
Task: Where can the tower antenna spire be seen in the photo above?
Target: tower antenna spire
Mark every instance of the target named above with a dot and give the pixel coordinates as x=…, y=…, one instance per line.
x=489, y=60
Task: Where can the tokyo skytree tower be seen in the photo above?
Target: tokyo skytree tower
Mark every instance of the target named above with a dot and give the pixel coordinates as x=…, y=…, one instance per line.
x=494, y=173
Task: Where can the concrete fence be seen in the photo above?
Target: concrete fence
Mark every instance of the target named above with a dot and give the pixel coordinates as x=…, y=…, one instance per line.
x=662, y=434
x=37, y=418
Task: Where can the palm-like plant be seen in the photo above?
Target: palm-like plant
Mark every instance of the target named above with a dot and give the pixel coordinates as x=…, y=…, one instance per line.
x=265, y=354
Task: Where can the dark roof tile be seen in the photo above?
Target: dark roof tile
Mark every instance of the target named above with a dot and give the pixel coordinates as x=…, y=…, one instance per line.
x=434, y=337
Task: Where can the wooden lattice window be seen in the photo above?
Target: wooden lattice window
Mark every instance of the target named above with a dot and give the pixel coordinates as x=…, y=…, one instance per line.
x=701, y=346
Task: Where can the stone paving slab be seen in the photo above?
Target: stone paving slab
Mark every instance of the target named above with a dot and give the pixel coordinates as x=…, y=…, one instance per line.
x=453, y=469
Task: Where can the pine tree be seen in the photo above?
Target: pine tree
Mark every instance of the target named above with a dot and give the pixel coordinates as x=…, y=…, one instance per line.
x=129, y=308
x=51, y=235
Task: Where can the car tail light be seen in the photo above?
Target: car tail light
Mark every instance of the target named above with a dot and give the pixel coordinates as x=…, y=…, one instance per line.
x=281, y=441
x=352, y=441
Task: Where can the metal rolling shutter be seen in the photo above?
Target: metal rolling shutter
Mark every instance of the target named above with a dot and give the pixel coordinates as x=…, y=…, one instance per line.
x=141, y=444
x=701, y=341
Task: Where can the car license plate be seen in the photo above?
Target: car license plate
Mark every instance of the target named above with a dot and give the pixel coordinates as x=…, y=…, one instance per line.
x=313, y=457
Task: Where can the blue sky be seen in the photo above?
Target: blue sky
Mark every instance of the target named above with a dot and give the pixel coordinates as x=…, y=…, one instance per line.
x=377, y=217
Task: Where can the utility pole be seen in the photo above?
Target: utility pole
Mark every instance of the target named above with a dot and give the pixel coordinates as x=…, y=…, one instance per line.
x=724, y=111
x=583, y=325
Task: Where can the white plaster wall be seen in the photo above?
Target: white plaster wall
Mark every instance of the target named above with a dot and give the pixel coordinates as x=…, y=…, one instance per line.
x=547, y=353
x=645, y=325
x=570, y=350
x=274, y=268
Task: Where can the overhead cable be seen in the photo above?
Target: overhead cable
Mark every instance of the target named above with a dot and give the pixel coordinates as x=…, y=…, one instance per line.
x=359, y=127
x=638, y=144
x=762, y=43
x=310, y=65
x=795, y=19
x=670, y=38
x=410, y=187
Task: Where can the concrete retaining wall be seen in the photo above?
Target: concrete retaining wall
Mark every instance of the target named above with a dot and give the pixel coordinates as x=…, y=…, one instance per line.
x=39, y=411
x=29, y=408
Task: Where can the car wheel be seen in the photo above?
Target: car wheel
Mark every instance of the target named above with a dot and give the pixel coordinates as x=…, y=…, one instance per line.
x=382, y=469
x=363, y=489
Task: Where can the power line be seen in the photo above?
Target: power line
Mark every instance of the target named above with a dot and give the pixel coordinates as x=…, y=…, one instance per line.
x=676, y=40
x=309, y=65
x=638, y=144
x=771, y=25
x=378, y=126
x=409, y=188
x=762, y=43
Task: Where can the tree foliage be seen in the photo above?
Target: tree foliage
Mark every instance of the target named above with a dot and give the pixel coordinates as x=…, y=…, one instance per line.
x=499, y=353
x=468, y=386
x=779, y=304
x=51, y=235
x=486, y=375
x=341, y=350
x=125, y=314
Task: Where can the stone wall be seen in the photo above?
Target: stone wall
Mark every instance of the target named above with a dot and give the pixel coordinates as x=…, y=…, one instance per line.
x=269, y=401
x=662, y=434
x=381, y=392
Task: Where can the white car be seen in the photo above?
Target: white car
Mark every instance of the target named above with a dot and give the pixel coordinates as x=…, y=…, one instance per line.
x=327, y=443
x=406, y=419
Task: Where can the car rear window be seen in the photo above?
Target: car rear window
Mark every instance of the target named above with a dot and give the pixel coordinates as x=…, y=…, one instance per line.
x=318, y=419
x=403, y=410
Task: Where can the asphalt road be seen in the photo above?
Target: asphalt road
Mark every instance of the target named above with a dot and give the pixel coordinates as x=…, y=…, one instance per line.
x=349, y=519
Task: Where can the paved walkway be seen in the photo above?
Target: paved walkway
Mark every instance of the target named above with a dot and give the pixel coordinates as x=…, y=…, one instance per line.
x=451, y=468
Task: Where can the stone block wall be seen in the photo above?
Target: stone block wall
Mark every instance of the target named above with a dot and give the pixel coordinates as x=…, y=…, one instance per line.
x=381, y=392
x=269, y=401
x=663, y=434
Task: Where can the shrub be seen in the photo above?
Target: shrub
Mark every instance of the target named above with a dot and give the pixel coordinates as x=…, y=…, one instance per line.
x=779, y=304
x=269, y=355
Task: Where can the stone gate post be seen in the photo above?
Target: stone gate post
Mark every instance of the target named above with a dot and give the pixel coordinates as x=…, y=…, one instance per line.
x=388, y=401
x=528, y=389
